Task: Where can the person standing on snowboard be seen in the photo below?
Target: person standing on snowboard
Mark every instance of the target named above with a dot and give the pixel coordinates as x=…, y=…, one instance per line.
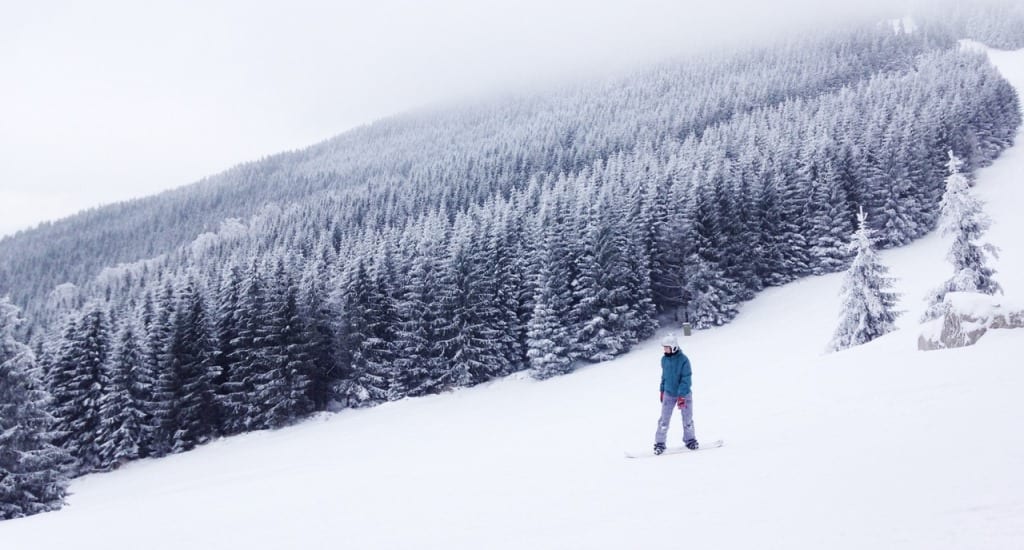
x=675, y=392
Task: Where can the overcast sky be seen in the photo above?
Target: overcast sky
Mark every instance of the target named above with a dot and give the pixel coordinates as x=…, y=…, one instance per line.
x=102, y=101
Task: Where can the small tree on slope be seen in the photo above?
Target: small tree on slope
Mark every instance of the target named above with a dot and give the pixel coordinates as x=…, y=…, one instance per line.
x=961, y=215
x=868, y=303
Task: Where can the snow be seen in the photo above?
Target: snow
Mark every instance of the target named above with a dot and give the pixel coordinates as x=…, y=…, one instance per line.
x=878, y=446
x=980, y=306
x=904, y=24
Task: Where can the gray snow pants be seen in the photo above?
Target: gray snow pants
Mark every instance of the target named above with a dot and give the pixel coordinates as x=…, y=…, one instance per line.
x=667, y=405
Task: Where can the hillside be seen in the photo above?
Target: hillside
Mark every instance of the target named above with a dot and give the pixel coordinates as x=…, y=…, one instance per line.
x=880, y=446
x=458, y=155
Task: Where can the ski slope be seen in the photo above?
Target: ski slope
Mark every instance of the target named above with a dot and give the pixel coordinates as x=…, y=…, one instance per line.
x=881, y=446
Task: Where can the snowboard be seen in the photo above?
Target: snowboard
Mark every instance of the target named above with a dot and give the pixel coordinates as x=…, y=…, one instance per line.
x=676, y=450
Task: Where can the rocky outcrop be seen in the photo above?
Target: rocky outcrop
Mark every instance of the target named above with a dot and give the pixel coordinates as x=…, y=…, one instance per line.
x=967, y=317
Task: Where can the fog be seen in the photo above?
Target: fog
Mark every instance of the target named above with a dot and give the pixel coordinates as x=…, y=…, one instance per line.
x=105, y=101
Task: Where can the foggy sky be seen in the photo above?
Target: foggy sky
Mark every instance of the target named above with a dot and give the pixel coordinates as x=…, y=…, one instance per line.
x=106, y=100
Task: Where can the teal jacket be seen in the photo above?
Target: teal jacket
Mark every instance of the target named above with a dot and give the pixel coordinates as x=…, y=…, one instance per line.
x=675, y=374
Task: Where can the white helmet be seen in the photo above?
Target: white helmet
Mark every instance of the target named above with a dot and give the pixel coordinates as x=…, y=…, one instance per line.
x=670, y=341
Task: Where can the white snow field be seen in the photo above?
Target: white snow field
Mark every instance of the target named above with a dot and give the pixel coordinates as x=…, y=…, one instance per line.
x=881, y=446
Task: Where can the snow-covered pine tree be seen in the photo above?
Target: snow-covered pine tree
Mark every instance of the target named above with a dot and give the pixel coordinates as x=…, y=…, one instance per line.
x=32, y=469
x=282, y=388
x=507, y=261
x=666, y=279
x=633, y=295
x=868, y=306
x=364, y=381
x=415, y=309
x=598, y=264
x=826, y=218
x=238, y=402
x=199, y=419
x=772, y=270
x=78, y=380
x=612, y=297
x=895, y=209
x=489, y=316
x=739, y=240
x=158, y=335
x=145, y=374
x=122, y=406
x=460, y=334
x=711, y=295
x=549, y=344
x=963, y=217
x=186, y=409
x=319, y=335
x=793, y=243
x=226, y=321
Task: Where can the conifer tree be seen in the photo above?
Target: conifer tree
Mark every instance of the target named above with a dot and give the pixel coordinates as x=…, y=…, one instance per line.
x=32, y=469
x=415, y=362
x=963, y=218
x=711, y=295
x=460, y=340
x=78, y=380
x=549, y=343
x=145, y=374
x=282, y=388
x=320, y=336
x=226, y=319
x=505, y=258
x=239, y=405
x=827, y=222
x=364, y=383
x=193, y=348
x=868, y=305
x=186, y=411
x=121, y=431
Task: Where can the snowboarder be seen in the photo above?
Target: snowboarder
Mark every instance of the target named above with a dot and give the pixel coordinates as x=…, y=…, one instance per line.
x=675, y=392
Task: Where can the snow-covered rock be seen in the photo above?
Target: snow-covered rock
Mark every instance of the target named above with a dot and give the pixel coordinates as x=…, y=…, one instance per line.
x=968, y=316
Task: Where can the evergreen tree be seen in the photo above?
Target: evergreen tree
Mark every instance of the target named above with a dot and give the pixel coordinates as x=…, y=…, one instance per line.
x=239, y=391
x=144, y=374
x=895, y=210
x=461, y=334
x=32, y=469
x=192, y=348
x=827, y=222
x=868, y=309
x=186, y=410
x=364, y=382
x=611, y=292
x=122, y=404
x=739, y=240
x=711, y=295
x=282, y=389
x=506, y=259
x=78, y=380
x=158, y=337
x=962, y=217
x=662, y=244
x=319, y=336
x=549, y=342
x=415, y=363
x=226, y=317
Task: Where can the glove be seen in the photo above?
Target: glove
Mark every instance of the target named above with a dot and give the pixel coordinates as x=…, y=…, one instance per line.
x=661, y=398
x=681, y=403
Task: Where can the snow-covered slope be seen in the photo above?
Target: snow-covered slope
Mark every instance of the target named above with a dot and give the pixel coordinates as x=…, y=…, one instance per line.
x=880, y=446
